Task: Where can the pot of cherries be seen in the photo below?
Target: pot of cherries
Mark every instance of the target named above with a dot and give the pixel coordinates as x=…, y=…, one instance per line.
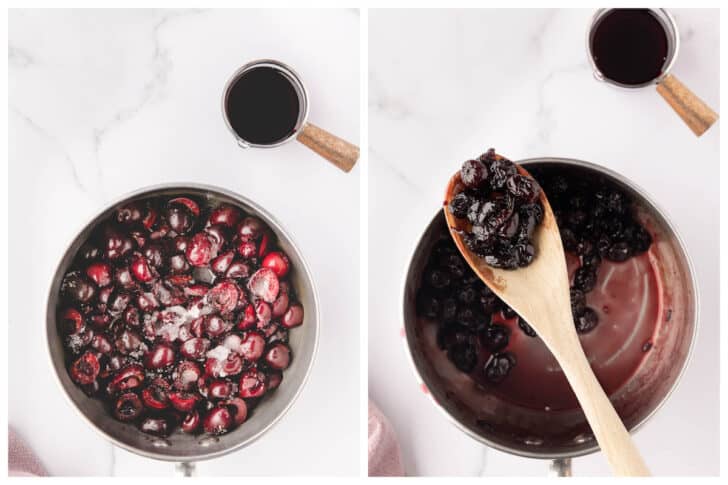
x=175, y=313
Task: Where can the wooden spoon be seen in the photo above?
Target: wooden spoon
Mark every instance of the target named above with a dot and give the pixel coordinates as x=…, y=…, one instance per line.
x=540, y=294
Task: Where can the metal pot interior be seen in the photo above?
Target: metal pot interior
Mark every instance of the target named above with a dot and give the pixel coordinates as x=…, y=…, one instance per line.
x=180, y=446
x=539, y=433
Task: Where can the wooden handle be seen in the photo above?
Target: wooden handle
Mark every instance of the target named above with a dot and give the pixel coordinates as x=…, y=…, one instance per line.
x=337, y=151
x=694, y=112
x=608, y=428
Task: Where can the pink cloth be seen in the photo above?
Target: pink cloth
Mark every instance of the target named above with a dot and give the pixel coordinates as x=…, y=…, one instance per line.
x=22, y=462
x=385, y=459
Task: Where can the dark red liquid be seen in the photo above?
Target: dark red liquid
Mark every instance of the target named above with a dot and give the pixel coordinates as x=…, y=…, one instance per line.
x=263, y=106
x=628, y=300
x=630, y=46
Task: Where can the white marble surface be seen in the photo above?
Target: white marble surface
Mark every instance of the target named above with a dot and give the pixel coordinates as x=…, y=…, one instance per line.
x=444, y=86
x=105, y=102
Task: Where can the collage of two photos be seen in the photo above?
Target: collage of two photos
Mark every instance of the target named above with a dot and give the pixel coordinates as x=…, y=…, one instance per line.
x=191, y=204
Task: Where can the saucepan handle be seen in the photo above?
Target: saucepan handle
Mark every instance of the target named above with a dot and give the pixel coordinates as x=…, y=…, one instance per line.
x=184, y=469
x=560, y=468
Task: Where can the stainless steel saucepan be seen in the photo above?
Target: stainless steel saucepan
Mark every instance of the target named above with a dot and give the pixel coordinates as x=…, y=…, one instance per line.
x=561, y=436
x=180, y=447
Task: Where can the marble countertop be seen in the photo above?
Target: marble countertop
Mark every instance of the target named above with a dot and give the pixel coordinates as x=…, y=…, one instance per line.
x=103, y=102
x=446, y=85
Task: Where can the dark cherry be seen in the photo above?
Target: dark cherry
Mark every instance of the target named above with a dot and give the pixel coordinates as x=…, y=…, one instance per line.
x=587, y=321
x=495, y=338
x=218, y=420
x=252, y=346
x=220, y=389
x=463, y=355
x=226, y=215
x=191, y=422
x=264, y=284
x=252, y=384
x=159, y=357
x=100, y=273
x=278, y=356
x=199, y=250
x=156, y=395
x=225, y=296
x=238, y=408
x=85, y=369
x=128, y=407
x=499, y=366
x=129, y=377
x=70, y=321
x=155, y=426
x=473, y=173
x=183, y=401
x=293, y=317
x=76, y=287
x=278, y=262
x=195, y=348
x=526, y=328
x=185, y=375
x=250, y=229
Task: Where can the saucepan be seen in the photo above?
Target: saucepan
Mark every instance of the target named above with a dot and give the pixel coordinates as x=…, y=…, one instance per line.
x=561, y=436
x=180, y=447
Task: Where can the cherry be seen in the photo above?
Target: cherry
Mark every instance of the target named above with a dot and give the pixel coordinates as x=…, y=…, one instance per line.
x=199, y=250
x=185, y=375
x=123, y=278
x=101, y=344
x=218, y=420
x=293, y=317
x=76, y=287
x=76, y=342
x=221, y=264
x=100, y=273
x=127, y=407
x=247, y=318
x=183, y=401
x=218, y=237
x=264, y=284
x=263, y=313
x=70, y=321
x=252, y=384
x=219, y=389
x=159, y=356
x=141, y=270
x=226, y=215
x=252, y=346
x=195, y=348
x=278, y=262
x=250, y=229
x=280, y=306
x=188, y=203
x=191, y=422
x=156, y=395
x=278, y=356
x=85, y=369
x=237, y=270
x=224, y=296
x=263, y=247
x=274, y=380
x=131, y=212
x=238, y=408
x=117, y=245
x=126, y=378
x=215, y=326
x=179, y=217
x=233, y=365
x=247, y=249
x=155, y=426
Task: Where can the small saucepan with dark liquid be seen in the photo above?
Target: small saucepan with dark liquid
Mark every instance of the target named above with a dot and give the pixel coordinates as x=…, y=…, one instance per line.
x=636, y=48
x=265, y=104
x=648, y=315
